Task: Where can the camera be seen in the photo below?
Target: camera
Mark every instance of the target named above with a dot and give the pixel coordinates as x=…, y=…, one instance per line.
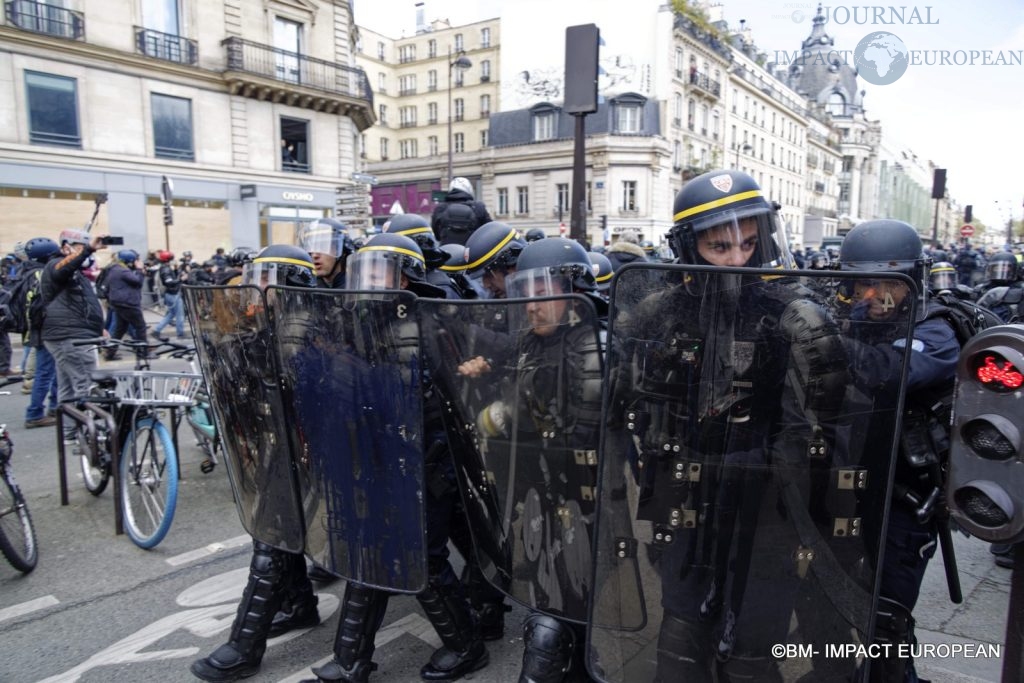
x=111, y=240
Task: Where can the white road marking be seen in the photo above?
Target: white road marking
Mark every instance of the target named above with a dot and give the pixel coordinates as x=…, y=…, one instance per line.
x=413, y=624
x=28, y=607
x=200, y=553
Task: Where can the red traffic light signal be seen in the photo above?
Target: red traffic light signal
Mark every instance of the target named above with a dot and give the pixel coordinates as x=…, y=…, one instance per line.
x=985, y=483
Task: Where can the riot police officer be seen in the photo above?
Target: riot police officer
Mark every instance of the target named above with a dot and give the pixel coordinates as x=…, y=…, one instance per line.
x=390, y=261
x=491, y=253
x=603, y=272
x=1004, y=292
x=274, y=575
x=717, y=432
x=418, y=229
x=534, y=234
x=876, y=346
x=328, y=242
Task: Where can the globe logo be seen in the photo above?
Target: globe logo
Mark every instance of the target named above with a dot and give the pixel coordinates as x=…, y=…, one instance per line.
x=881, y=58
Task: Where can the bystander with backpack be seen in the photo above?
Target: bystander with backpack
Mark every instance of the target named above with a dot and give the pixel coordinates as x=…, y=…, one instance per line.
x=456, y=217
x=39, y=250
x=72, y=313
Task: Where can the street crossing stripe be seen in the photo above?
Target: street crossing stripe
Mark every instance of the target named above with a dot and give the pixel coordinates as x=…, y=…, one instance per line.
x=200, y=553
x=28, y=607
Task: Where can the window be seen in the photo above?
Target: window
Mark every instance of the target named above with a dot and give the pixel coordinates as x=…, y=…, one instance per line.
x=836, y=104
x=432, y=48
x=407, y=116
x=485, y=70
x=380, y=51
x=677, y=155
x=677, y=110
x=629, y=195
x=679, y=62
x=460, y=109
x=52, y=110
x=485, y=37
x=562, y=195
x=432, y=145
x=502, y=201
x=406, y=53
x=522, y=200
x=691, y=113
x=407, y=149
x=288, y=40
x=383, y=149
x=431, y=113
x=483, y=138
x=407, y=85
x=382, y=114
x=485, y=106
x=161, y=35
x=382, y=83
x=590, y=206
x=627, y=118
x=458, y=42
x=295, y=145
x=544, y=126
x=432, y=80
x=172, y=127
x=460, y=77
x=714, y=124
x=703, y=119
x=460, y=142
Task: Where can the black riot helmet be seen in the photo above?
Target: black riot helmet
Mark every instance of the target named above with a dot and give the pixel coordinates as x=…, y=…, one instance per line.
x=1001, y=268
x=492, y=246
x=818, y=261
x=325, y=236
x=456, y=262
x=534, y=234
x=239, y=255
x=382, y=262
x=279, y=264
x=887, y=246
x=732, y=205
x=938, y=255
x=603, y=271
x=418, y=229
x=555, y=265
x=942, y=277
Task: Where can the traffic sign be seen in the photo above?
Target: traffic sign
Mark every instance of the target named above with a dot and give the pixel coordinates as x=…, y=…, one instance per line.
x=364, y=178
x=967, y=231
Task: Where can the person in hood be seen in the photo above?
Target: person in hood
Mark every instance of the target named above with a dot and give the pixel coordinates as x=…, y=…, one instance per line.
x=626, y=250
x=455, y=218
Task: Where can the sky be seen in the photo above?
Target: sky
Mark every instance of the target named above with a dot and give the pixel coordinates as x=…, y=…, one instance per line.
x=966, y=118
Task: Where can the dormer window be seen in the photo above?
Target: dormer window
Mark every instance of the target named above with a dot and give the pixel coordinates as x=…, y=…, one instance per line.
x=545, y=122
x=628, y=111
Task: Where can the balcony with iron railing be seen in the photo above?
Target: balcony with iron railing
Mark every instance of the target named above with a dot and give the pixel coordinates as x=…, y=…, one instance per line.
x=50, y=20
x=166, y=46
x=705, y=83
x=267, y=73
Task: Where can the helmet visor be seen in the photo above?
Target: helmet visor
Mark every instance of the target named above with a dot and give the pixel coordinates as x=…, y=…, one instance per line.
x=542, y=315
x=369, y=269
x=1000, y=270
x=263, y=273
x=943, y=277
x=529, y=284
x=750, y=237
x=320, y=238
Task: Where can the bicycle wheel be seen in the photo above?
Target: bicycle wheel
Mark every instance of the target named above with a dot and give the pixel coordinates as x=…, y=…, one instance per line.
x=149, y=482
x=17, y=535
x=95, y=475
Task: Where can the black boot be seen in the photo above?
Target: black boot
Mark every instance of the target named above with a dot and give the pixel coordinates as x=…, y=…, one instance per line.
x=684, y=650
x=240, y=657
x=462, y=651
x=894, y=626
x=362, y=613
x=548, y=646
x=488, y=602
x=298, y=608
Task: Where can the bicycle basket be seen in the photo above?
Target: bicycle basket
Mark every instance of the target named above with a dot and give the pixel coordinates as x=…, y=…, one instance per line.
x=138, y=387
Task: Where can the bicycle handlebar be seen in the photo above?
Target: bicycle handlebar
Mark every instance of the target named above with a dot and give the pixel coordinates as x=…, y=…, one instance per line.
x=159, y=348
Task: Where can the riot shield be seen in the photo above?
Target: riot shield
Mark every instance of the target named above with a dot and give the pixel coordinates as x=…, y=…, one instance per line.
x=750, y=430
x=523, y=400
x=233, y=343
x=351, y=372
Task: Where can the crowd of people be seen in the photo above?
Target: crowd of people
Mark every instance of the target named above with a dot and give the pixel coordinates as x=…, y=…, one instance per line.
x=730, y=398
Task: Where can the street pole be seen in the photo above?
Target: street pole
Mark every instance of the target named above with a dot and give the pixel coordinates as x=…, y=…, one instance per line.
x=935, y=224
x=460, y=62
x=578, y=217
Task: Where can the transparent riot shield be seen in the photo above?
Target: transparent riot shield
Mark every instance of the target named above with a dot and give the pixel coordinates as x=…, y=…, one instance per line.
x=236, y=354
x=351, y=371
x=750, y=431
x=522, y=383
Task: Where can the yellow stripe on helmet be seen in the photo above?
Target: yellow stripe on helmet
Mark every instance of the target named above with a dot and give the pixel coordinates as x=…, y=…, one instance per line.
x=724, y=201
x=501, y=245
x=281, y=259
x=414, y=231
x=396, y=250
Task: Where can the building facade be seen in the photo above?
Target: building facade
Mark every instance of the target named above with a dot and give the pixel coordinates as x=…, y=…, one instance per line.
x=223, y=98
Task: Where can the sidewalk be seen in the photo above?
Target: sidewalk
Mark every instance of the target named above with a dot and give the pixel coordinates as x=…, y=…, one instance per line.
x=979, y=621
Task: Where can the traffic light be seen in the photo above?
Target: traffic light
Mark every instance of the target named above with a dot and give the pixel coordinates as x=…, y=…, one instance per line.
x=985, y=484
x=968, y=213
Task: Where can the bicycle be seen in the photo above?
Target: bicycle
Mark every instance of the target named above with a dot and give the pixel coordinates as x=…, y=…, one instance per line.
x=200, y=415
x=17, y=535
x=119, y=432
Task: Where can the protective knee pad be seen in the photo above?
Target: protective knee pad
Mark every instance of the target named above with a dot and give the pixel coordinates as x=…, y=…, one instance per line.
x=548, y=646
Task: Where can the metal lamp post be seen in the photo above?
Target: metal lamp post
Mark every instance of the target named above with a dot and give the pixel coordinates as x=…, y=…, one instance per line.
x=747, y=147
x=461, y=62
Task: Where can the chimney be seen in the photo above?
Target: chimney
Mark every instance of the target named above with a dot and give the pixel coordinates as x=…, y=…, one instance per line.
x=421, y=25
